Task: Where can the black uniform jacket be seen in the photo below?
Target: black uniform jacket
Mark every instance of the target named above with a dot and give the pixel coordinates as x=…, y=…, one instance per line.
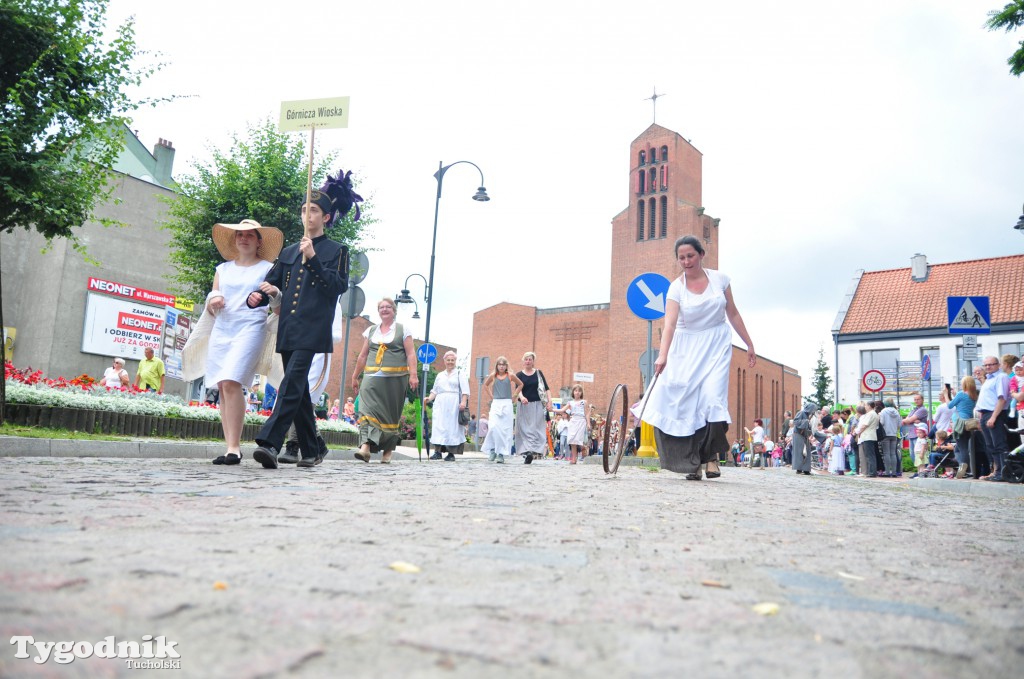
x=310, y=294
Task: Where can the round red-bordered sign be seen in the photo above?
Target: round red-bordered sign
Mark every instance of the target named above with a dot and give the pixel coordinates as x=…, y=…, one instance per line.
x=873, y=380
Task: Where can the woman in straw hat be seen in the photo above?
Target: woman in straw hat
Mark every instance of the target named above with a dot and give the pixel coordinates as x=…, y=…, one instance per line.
x=239, y=332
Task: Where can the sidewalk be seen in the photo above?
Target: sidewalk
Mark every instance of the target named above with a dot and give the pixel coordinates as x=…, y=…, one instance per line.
x=547, y=571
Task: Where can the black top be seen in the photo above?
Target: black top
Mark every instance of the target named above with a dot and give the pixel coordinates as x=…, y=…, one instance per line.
x=310, y=294
x=529, y=389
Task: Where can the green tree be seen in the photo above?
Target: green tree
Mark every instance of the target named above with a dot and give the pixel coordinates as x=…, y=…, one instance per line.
x=822, y=381
x=1010, y=18
x=261, y=176
x=63, y=103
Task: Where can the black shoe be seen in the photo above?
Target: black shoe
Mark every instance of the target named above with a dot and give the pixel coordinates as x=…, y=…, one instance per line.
x=308, y=461
x=228, y=459
x=290, y=454
x=435, y=456
x=266, y=455
x=450, y=457
x=528, y=459
x=322, y=449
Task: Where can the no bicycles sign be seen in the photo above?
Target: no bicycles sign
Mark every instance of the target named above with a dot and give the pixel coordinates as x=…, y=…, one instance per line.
x=873, y=380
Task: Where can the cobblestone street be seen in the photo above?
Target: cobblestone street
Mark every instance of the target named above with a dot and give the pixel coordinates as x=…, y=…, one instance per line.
x=545, y=570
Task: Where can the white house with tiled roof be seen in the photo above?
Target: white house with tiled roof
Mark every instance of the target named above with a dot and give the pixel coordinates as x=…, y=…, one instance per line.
x=900, y=315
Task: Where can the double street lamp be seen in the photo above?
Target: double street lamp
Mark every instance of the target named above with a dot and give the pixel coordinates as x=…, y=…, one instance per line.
x=481, y=196
x=405, y=298
x=1020, y=225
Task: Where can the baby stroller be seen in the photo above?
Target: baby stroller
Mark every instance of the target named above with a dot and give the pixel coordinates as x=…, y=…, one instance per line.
x=945, y=467
x=1013, y=466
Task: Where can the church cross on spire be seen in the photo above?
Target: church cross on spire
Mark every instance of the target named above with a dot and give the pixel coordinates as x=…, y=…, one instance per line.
x=654, y=103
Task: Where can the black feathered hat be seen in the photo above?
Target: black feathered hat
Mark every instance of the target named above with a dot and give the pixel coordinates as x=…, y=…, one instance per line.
x=336, y=196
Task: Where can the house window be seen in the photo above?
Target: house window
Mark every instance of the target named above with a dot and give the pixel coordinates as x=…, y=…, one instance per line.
x=883, y=360
x=643, y=157
x=652, y=180
x=654, y=155
x=664, y=177
x=664, y=154
x=640, y=219
x=1014, y=348
x=653, y=210
x=965, y=368
x=641, y=181
x=664, y=216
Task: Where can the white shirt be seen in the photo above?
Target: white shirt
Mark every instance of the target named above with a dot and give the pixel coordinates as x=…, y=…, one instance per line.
x=384, y=338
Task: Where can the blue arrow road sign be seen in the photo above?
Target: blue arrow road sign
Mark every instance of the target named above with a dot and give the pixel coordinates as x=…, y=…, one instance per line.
x=968, y=316
x=426, y=353
x=646, y=296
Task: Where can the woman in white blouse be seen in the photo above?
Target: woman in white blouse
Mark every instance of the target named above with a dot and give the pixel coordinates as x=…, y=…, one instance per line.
x=390, y=372
x=449, y=395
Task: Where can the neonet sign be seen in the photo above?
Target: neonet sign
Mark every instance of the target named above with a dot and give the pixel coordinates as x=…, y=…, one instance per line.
x=138, y=294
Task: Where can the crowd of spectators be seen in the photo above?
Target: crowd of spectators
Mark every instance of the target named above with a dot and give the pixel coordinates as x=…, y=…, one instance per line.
x=969, y=434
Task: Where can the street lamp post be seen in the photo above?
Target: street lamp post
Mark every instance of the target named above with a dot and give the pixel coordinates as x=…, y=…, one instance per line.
x=481, y=196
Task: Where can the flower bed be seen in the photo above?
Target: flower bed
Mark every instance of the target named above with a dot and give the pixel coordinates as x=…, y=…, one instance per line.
x=81, y=405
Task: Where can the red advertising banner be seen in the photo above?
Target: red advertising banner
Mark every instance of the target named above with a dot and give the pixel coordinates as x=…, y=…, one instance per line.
x=131, y=292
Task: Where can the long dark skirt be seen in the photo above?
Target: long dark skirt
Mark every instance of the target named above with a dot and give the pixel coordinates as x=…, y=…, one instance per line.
x=380, y=411
x=685, y=454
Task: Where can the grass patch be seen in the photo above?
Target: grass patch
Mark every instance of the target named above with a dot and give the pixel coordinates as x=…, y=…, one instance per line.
x=8, y=429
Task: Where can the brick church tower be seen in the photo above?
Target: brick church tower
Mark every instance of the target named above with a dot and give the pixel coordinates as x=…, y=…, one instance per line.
x=664, y=204
x=606, y=339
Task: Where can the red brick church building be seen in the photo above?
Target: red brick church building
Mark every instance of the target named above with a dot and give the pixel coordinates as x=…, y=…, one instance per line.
x=606, y=339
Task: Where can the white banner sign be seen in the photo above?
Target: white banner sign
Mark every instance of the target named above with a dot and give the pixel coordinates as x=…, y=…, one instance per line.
x=583, y=377
x=120, y=327
x=321, y=113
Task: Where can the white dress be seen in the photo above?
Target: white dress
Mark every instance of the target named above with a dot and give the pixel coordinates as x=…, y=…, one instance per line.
x=577, y=423
x=693, y=389
x=501, y=422
x=238, y=332
x=445, y=428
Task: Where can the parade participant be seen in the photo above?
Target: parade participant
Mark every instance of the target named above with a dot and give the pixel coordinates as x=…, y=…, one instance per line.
x=238, y=334
x=150, y=373
x=578, y=412
x=304, y=285
x=502, y=389
x=689, y=404
x=804, y=425
x=534, y=404
x=116, y=377
x=449, y=395
x=384, y=383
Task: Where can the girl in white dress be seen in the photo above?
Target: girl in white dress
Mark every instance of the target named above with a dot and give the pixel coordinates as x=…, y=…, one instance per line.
x=239, y=332
x=689, y=404
x=577, y=409
x=502, y=389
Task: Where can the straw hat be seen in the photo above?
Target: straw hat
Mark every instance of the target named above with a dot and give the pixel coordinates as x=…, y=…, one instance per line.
x=271, y=239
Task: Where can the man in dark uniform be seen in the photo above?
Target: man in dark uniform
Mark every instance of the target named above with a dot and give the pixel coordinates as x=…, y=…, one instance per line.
x=303, y=286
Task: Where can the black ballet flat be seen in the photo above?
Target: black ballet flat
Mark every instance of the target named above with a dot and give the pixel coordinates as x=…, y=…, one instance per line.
x=693, y=477
x=228, y=459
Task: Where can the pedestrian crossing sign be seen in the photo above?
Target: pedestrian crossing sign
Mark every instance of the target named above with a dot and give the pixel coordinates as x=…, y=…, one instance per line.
x=968, y=315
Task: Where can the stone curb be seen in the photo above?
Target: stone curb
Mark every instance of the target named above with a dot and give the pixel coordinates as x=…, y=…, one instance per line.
x=18, y=446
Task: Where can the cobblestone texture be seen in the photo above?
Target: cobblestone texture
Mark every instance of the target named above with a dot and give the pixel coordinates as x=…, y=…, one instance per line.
x=542, y=571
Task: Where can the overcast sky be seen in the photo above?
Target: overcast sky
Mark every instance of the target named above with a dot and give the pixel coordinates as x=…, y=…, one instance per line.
x=836, y=135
